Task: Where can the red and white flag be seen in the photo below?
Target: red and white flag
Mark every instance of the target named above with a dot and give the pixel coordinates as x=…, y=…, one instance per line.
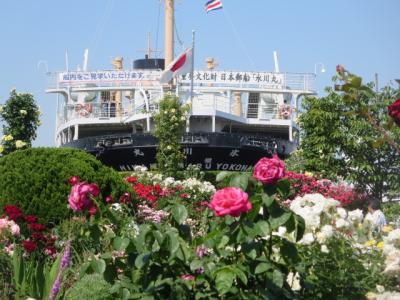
x=213, y=5
x=181, y=65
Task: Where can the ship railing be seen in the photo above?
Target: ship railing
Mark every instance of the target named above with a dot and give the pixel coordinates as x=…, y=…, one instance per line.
x=105, y=110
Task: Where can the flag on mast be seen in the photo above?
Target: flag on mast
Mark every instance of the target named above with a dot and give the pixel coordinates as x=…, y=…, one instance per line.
x=181, y=65
x=213, y=5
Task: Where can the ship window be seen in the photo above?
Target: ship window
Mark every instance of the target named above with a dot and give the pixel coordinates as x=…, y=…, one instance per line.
x=105, y=96
x=252, y=107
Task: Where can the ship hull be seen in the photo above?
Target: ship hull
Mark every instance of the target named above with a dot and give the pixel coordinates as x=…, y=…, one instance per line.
x=209, y=151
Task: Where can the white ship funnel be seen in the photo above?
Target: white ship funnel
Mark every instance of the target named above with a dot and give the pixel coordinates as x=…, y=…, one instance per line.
x=276, y=62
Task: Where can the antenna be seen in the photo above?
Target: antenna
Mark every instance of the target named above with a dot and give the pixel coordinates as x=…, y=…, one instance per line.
x=149, y=51
x=276, y=69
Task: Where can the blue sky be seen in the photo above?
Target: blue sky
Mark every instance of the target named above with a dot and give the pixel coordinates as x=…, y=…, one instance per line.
x=363, y=35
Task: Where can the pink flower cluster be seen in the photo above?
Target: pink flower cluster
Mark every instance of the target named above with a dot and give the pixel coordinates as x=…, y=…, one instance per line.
x=81, y=195
x=269, y=170
x=9, y=226
x=230, y=201
x=149, y=214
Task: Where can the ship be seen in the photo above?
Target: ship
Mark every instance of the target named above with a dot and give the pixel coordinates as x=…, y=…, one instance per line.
x=235, y=117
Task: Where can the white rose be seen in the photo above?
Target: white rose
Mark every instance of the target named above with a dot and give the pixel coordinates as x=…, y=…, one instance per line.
x=307, y=239
x=356, y=216
x=294, y=281
x=324, y=249
x=341, y=223
x=342, y=212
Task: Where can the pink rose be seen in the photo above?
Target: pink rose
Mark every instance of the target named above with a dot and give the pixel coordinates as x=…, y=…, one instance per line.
x=230, y=201
x=340, y=69
x=394, y=111
x=269, y=170
x=188, y=277
x=80, y=196
x=3, y=224
x=15, y=230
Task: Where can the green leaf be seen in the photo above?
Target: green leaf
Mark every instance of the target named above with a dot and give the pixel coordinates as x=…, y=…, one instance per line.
x=222, y=175
x=173, y=242
x=240, y=180
x=224, y=279
x=120, y=243
x=196, y=264
x=98, y=266
x=224, y=240
x=264, y=228
x=240, y=274
x=179, y=213
x=263, y=267
x=18, y=267
x=142, y=259
x=283, y=187
x=275, y=222
x=289, y=252
x=125, y=294
x=267, y=200
x=277, y=278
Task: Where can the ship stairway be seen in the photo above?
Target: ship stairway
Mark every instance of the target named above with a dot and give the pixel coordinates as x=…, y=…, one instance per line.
x=252, y=107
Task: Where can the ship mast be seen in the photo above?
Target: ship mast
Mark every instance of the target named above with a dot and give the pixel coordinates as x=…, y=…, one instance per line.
x=169, y=31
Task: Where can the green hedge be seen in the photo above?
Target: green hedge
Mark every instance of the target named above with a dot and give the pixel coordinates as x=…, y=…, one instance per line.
x=36, y=180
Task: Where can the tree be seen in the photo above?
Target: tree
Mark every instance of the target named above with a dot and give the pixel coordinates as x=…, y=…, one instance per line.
x=348, y=133
x=170, y=124
x=21, y=116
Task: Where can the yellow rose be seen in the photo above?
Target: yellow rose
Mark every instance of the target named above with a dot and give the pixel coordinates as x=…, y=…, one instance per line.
x=387, y=228
x=19, y=144
x=309, y=174
x=370, y=243
x=1, y=149
x=8, y=137
x=380, y=245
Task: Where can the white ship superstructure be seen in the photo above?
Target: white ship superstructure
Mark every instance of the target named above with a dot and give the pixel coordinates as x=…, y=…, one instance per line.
x=239, y=111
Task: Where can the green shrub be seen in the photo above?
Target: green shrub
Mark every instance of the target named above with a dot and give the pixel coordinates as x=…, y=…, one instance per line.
x=92, y=287
x=36, y=180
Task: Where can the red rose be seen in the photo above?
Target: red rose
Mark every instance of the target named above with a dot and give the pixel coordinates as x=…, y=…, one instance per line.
x=29, y=246
x=125, y=198
x=394, y=111
x=38, y=236
x=13, y=212
x=36, y=227
x=109, y=199
x=269, y=170
x=230, y=201
x=30, y=218
x=131, y=179
x=74, y=180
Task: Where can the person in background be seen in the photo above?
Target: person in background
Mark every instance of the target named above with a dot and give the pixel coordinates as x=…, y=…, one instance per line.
x=375, y=216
